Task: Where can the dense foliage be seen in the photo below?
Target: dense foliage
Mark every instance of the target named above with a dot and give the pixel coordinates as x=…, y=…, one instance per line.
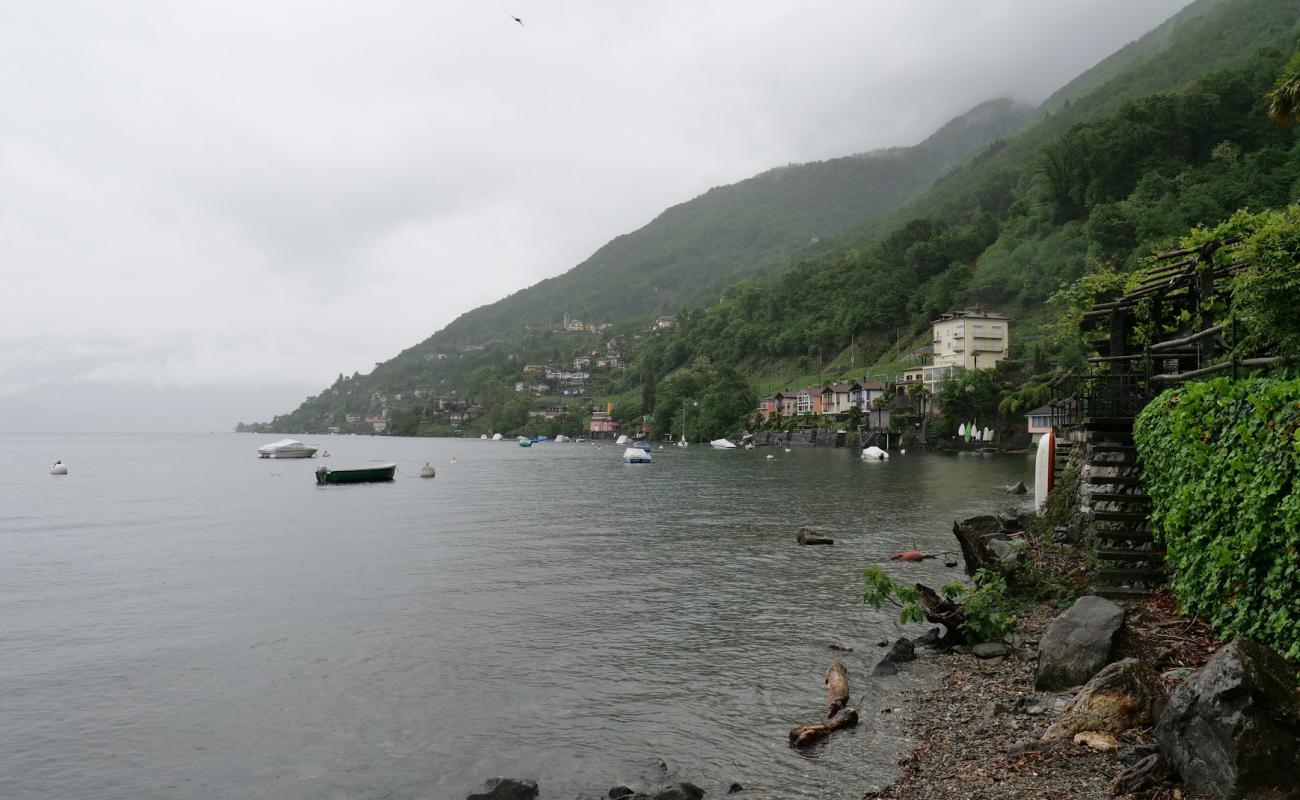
x=984, y=605
x=1221, y=461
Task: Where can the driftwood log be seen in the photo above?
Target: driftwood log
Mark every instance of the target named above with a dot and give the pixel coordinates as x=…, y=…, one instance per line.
x=810, y=536
x=837, y=688
x=807, y=735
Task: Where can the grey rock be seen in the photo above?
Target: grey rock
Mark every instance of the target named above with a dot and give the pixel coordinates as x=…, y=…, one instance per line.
x=680, y=791
x=928, y=639
x=506, y=789
x=901, y=652
x=735, y=787
x=885, y=668
x=1078, y=643
x=1233, y=729
x=990, y=650
x=1017, y=488
x=995, y=661
x=619, y=792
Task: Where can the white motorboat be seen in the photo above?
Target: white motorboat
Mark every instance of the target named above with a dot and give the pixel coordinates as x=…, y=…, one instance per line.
x=874, y=453
x=286, y=448
x=562, y=438
x=723, y=444
x=482, y=436
x=635, y=455
x=622, y=439
x=59, y=468
x=496, y=437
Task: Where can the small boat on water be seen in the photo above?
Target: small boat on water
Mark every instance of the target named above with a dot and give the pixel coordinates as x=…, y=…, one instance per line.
x=59, y=468
x=874, y=453
x=635, y=455
x=496, y=437
x=482, y=436
x=286, y=448
x=562, y=438
x=641, y=444
x=622, y=439
x=723, y=444
x=376, y=473
x=524, y=441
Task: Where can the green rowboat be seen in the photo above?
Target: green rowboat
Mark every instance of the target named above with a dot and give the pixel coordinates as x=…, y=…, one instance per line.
x=378, y=473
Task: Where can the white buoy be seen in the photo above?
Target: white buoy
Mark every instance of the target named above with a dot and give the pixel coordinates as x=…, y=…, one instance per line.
x=902, y=452
x=59, y=468
x=427, y=471
x=770, y=456
x=787, y=449
x=453, y=459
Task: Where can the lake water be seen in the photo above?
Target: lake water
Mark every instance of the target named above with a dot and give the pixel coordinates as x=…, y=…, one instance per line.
x=180, y=619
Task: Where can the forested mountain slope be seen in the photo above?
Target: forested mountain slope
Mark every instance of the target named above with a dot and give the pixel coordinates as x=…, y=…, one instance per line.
x=1171, y=135
x=693, y=250
x=1074, y=191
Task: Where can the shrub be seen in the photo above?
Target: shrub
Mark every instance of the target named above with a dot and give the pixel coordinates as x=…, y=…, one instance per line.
x=984, y=605
x=1221, y=461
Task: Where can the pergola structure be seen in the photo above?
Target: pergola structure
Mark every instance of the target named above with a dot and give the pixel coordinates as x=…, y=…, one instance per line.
x=1158, y=335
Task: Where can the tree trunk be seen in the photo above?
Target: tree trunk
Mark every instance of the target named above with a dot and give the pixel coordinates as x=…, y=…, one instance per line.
x=943, y=611
x=837, y=688
x=973, y=535
x=807, y=735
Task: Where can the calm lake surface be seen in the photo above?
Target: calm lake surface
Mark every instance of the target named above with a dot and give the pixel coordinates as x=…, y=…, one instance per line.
x=180, y=619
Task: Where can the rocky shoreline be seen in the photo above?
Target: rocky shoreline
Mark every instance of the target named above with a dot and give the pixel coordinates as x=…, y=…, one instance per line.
x=1086, y=698
x=1169, y=713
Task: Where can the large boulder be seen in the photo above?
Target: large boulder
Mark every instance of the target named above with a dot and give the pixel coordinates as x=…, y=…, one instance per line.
x=1078, y=643
x=1122, y=696
x=1233, y=729
x=506, y=789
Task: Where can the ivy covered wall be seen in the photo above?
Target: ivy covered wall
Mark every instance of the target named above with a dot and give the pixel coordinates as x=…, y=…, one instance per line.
x=1221, y=461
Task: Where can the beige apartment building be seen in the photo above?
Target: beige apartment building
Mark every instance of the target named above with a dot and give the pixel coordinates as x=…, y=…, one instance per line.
x=970, y=339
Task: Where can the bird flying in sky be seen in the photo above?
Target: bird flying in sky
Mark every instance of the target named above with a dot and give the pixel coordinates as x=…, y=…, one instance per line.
x=516, y=19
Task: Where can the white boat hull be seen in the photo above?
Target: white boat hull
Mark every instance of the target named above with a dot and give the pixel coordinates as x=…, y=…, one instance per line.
x=1043, y=469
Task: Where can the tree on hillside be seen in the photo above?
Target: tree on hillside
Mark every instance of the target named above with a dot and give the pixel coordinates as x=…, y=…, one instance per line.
x=1284, y=97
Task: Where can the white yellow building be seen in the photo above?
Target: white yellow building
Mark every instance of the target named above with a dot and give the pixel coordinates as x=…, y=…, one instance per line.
x=970, y=339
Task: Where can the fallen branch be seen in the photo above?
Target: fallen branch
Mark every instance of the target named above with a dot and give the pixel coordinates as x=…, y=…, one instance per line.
x=807, y=735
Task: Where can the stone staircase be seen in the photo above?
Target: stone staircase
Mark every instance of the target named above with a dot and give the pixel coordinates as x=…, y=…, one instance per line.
x=1129, y=562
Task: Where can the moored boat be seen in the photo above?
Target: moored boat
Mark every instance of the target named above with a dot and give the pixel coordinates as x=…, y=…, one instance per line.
x=375, y=473
x=286, y=448
x=874, y=453
x=723, y=444
x=635, y=455
x=524, y=441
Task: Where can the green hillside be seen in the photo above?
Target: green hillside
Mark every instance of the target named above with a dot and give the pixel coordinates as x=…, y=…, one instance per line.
x=1176, y=139
x=693, y=250
x=1169, y=133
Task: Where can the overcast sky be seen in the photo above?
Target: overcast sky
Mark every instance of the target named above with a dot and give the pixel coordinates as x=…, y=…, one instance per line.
x=210, y=209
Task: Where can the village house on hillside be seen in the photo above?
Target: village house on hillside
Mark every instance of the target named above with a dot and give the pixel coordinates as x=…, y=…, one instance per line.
x=833, y=400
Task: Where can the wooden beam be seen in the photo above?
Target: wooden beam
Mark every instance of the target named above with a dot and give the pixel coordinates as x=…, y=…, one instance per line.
x=1187, y=376
x=1186, y=340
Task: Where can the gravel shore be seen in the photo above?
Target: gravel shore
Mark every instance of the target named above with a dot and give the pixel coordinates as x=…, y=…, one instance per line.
x=976, y=731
